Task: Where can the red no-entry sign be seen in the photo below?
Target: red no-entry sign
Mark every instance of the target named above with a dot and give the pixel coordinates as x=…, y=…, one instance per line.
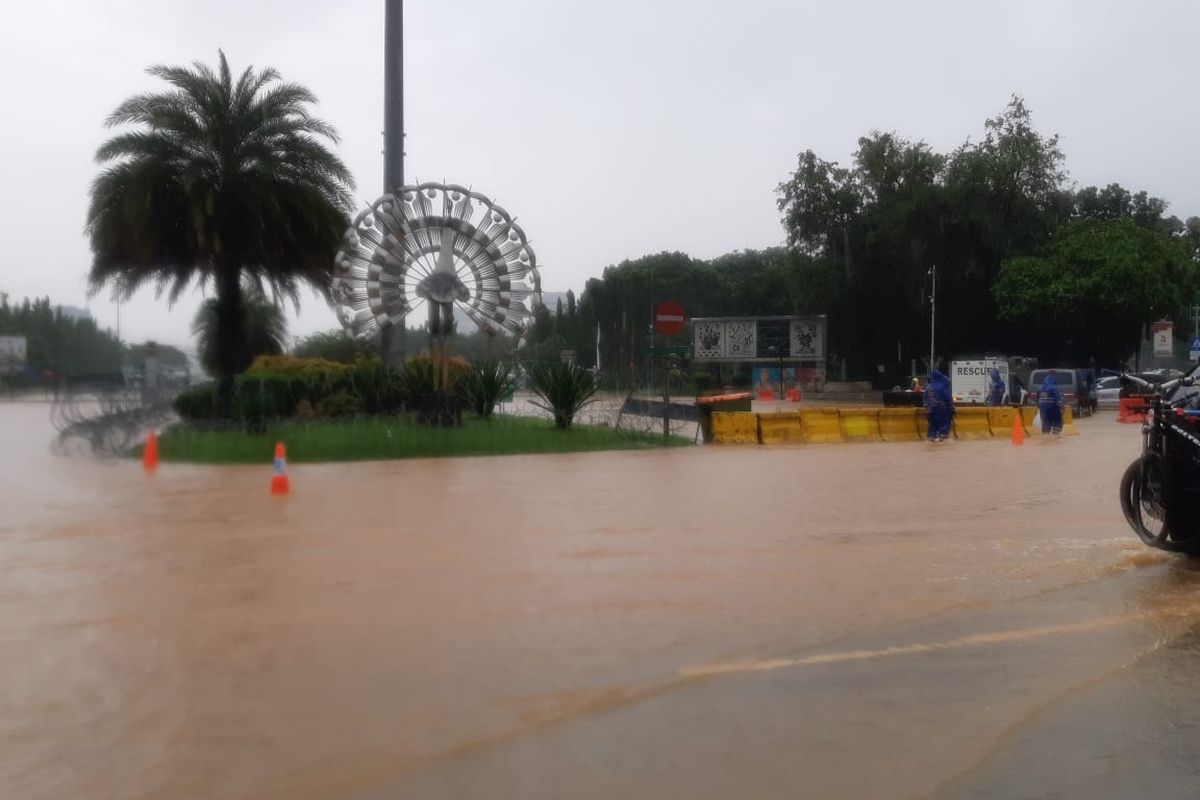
x=669, y=318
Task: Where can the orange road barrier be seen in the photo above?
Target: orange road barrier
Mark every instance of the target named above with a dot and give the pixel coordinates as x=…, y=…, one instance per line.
x=972, y=423
x=782, y=427
x=860, y=424
x=794, y=395
x=766, y=394
x=821, y=425
x=900, y=424
x=279, y=478
x=150, y=453
x=735, y=427
x=1018, y=430
x=1132, y=409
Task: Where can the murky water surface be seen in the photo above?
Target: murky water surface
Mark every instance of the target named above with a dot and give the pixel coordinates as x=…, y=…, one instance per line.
x=872, y=620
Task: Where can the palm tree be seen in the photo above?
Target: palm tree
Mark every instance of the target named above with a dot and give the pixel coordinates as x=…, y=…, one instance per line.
x=264, y=330
x=218, y=180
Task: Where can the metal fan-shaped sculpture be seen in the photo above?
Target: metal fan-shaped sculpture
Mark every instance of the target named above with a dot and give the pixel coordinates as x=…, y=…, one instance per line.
x=442, y=245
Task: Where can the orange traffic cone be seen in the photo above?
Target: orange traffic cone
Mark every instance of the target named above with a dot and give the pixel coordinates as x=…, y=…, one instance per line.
x=279, y=480
x=150, y=453
x=1018, y=433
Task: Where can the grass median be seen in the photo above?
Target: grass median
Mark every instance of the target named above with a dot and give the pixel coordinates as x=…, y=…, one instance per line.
x=392, y=438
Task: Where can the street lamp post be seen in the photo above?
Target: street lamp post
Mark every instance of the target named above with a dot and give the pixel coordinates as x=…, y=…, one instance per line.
x=391, y=338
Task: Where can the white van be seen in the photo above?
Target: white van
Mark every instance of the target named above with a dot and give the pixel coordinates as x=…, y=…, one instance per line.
x=971, y=379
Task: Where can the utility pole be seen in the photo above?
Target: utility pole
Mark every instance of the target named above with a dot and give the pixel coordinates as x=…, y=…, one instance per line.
x=391, y=338
x=932, y=315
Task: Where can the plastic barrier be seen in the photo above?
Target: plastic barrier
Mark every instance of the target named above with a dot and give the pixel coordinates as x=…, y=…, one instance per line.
x=821, y=425
x=972, y=423
x=860, y=424
x=1028, y=414
x=1000, y=419
x=783, y=427
x=735, y=427
x=766, y=394
x=794, y=395
x=1132, y=409
x=900, y=424
x=738, y=401
x=1069, y=428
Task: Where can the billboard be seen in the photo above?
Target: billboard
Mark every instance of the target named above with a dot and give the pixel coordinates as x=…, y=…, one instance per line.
x=1163, y=334
x=758, y=338
x=13, y=353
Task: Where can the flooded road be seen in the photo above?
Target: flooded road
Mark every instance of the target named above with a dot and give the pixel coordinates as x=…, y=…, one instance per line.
x=895, y=620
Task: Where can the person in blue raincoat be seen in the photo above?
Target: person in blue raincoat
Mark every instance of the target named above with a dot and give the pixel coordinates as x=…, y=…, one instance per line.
x=939, y=406
x=996, y=389
x=1050, y=405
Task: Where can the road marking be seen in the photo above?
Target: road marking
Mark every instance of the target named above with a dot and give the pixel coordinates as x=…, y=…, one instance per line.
x=973, y=640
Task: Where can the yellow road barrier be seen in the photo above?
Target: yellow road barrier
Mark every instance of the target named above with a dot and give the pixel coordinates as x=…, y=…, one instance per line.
x=1069, y=422
x=1000, y=419
x=821, y=425
x=735, y=427
x=1028, y=413
x=900, y=424
x=860, y=424
x=972, y=423
x=782, y=427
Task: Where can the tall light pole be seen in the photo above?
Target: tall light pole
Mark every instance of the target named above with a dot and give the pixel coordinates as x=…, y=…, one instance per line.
x=932, y=314
x=391, y=338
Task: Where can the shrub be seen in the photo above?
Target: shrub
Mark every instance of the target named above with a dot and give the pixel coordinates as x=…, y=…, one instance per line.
x=290, y=365
x=486, y=385
x=564, y=389
x=339, y=404
x=379, y=388
x=417, y=380
x=197, y=403
x=334, y=346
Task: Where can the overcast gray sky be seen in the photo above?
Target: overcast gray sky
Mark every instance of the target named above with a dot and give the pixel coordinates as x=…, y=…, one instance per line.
x=611, y=129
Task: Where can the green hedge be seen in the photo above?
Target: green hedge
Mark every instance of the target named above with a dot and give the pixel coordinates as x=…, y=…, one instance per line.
x=367, y=387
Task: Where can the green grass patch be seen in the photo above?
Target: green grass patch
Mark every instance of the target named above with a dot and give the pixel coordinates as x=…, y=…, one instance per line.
x=393, y=437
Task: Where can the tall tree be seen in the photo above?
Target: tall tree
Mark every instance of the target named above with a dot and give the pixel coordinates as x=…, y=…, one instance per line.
x=214, y=180
x=1092, y=291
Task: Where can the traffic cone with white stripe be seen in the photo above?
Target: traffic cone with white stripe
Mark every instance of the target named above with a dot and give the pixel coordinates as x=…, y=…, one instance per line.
x=279, y=479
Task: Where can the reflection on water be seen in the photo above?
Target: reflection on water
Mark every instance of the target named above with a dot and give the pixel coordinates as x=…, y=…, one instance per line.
x=397, y=628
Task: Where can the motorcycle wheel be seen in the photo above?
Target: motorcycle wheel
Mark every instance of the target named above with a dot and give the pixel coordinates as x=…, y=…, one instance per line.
x=1144, y=507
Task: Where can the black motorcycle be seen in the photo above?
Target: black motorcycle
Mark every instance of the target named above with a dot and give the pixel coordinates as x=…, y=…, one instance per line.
x=1160, y=491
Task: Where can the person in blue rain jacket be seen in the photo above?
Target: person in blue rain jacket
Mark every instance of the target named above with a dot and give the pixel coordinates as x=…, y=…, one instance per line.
x=939, y=406
x=996, y=392
x=1050, y=405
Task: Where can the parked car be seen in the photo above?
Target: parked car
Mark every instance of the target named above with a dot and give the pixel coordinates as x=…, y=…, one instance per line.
x=1071, y=383
x=1108, y=392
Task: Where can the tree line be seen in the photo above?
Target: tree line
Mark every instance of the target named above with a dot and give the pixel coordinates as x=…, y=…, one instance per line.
x=63, y=344
x=1026, y=263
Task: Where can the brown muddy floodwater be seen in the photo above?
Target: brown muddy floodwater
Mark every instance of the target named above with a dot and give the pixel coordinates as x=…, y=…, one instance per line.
x=819, y=621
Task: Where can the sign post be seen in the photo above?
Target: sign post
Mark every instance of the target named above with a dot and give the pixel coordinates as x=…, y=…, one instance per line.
x=1194, y=349
x=1163, y=333
x=669, y=319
